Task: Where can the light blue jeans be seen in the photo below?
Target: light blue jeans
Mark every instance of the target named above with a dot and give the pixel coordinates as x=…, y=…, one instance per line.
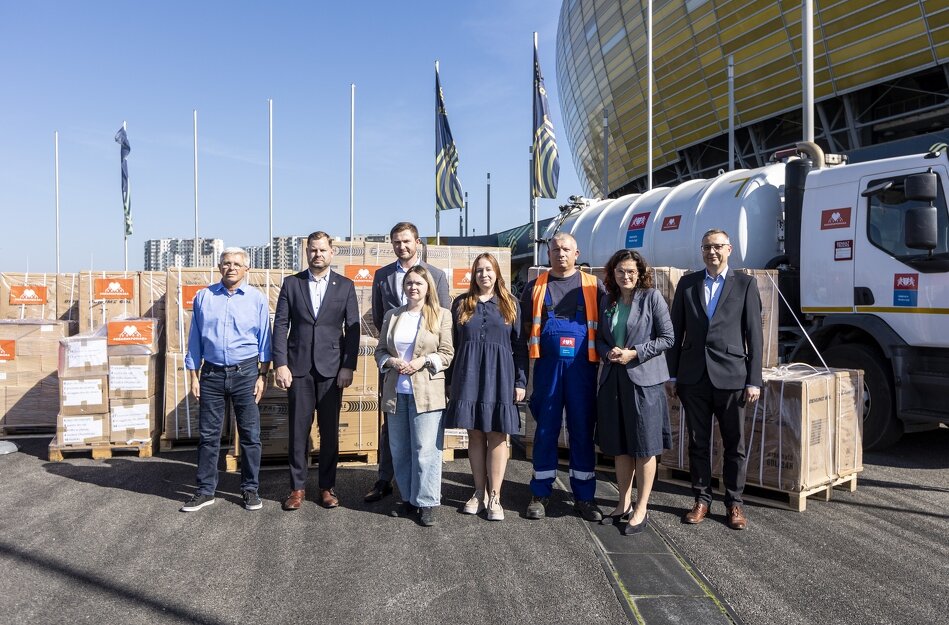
x=416, y=440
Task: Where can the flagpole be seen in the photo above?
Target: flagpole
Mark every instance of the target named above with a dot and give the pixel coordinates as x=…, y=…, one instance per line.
x=437, y=212
x=128, y=191
x=649, y=95
x=352, y=160
x=489, y=203
x=270, y=265
x=194, y=256
x=56, y=173
x=533, y=131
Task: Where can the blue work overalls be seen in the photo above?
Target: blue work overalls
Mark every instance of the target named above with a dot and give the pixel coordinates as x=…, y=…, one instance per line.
x=564, y=377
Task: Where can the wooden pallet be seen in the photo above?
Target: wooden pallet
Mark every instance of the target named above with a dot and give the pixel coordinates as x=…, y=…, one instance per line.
x=346, y=459
x=796, y=501
x=101, y=451
x=177, y=444
x=26, y=431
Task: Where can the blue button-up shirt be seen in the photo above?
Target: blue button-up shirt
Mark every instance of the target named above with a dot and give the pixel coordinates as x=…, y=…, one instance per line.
x=713, y=291
x=229, y=328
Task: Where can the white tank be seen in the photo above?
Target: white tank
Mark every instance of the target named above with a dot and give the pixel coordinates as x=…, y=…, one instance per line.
x=666, y=224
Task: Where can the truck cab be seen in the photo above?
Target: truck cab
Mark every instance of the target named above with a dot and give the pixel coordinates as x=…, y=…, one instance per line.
x=874, y=274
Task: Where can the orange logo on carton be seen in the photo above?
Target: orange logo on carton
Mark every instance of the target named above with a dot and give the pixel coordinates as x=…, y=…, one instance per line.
x=29, y=294
x=461, y=278
x=131, y=332
x=7, y=350
x=188, y=293
x=361, y=275
x=114, y=289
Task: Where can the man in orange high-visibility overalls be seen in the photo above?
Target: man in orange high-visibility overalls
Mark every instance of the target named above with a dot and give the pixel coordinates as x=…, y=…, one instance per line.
x=561, y=330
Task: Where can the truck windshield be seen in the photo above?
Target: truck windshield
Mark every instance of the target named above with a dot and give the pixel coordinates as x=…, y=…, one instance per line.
x=886, y=217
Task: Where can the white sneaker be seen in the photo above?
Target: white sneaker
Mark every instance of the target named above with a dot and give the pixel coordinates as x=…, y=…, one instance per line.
x=475, y=504
x=495, y=511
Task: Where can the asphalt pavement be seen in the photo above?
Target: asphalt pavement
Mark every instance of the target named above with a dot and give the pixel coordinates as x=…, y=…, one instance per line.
x=104, y=542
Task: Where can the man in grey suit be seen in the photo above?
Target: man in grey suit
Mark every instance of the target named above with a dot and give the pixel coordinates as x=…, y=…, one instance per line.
x=715, y=364
x=386, y=295
x=315, y=347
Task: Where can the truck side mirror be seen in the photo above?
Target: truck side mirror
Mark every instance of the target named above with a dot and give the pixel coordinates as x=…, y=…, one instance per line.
x=921, y=227
x=921, y=187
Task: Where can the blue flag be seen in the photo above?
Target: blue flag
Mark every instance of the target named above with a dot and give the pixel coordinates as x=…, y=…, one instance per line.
x=123, y=140
x=546, y=170
x=447, y=187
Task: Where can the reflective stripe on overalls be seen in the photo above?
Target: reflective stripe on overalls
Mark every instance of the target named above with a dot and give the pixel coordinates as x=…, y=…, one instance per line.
x=564, y=378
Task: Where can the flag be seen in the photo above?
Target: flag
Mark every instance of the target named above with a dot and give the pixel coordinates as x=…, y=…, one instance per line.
x=447, y=187
x=123, y=140
x=546, y=162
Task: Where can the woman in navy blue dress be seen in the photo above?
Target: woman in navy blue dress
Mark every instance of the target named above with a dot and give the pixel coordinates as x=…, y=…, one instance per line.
x=488, y=375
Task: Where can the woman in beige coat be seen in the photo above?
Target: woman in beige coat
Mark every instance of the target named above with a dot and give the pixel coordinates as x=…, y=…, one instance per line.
x=414, y=350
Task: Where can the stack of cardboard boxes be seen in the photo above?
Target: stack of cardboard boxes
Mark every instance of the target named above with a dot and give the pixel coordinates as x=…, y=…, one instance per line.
x=107, y=383
x=29, y=391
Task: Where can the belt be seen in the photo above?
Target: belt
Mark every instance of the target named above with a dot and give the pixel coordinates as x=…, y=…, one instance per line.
x=210, y=366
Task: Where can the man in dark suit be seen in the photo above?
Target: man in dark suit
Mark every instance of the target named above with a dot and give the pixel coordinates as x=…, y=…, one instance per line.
x=386, y=295
x=315, y=345
x=715, y=364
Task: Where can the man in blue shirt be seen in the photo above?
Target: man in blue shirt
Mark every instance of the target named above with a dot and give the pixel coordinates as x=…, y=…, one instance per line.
x=230, y=344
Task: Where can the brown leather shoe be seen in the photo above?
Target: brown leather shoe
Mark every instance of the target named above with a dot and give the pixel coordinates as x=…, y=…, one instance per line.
x=736, y=518
x=328, y=498
x=697, y=514
x=294, y=500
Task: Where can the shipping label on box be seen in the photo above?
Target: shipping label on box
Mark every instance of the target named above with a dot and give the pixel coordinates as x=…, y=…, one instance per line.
x=28, y=296
x=132, y=420
x=132, y=377
x=83, y=355
x=82, y=430
x=136, y=332
x=79, y=396
x=7, y=350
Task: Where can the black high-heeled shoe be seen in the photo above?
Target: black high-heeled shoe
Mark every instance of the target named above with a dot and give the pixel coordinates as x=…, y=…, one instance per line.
x=611, y=519
x=639, y=528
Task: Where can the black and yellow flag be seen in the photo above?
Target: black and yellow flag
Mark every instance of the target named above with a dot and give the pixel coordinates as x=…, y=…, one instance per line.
x=546, y=161
x=448, y=192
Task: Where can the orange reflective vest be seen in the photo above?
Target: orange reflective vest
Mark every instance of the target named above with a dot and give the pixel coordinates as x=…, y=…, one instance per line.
x=588, y=288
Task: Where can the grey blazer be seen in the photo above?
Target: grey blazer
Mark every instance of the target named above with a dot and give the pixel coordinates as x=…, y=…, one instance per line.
x=648, y=331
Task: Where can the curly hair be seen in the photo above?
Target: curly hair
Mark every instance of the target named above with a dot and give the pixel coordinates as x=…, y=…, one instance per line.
x=644, y=279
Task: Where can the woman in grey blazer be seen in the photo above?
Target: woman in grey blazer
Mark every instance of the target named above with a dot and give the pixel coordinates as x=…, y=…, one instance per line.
x=632, y=415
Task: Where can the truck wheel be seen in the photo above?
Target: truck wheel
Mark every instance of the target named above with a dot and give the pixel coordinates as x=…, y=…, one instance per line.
x=881, y=428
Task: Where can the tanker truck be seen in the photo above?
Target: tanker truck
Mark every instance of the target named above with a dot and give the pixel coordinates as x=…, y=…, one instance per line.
x=861, y=250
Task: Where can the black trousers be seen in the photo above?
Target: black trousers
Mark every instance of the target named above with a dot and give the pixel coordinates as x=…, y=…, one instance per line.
x=701, y=403
x=308, y=393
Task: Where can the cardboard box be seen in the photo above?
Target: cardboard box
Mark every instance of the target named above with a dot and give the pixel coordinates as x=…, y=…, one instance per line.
x=83, y=355
x=30, y=345
x=152, y=287
x=106, y=295
x=848, y=456
x=767, y=281
x=29, y=402
x=791, y=431
x=678, y=456
x=182, y=285
x=358, y=425
x=133, y=377
x=181, y=409
x=139, y=335
x=366, y=375
x=132, y=420
x=67, y=297
x=84, y=395
x=28, y=296
x=274, y=427
x=82, y=429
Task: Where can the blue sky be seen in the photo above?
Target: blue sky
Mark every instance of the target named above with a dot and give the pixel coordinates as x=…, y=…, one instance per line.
x=81, y=68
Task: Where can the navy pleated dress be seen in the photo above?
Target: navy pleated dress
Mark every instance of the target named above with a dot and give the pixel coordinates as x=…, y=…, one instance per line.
x=485, y=370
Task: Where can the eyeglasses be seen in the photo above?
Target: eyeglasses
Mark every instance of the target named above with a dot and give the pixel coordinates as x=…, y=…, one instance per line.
x=718, y=247
x=623, y=272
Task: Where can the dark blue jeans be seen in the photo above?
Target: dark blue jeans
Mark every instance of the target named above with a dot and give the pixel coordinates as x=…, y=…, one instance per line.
x=217, y=386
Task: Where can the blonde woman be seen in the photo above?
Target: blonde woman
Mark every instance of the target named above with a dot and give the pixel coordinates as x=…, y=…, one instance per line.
x=487, y=377
x=414, y=350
